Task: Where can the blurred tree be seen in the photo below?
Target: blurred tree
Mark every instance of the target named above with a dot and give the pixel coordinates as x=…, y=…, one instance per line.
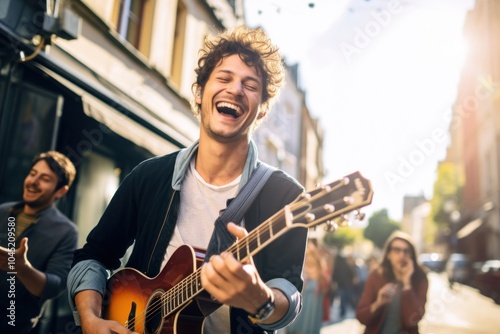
x=380, y=227
x=447, y=191
x=340, y=238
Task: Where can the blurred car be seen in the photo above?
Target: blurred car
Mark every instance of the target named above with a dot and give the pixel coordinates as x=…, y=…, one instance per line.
x=459, y=268
x=487, y=280
x=433, y=261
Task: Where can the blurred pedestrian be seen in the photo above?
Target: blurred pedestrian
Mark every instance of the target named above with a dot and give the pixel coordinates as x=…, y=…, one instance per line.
x=372, y=263
x=37, y=244
x=327, y=258
x=344, y=275
x=316, y=284
x=359, y=279
x=395, y=293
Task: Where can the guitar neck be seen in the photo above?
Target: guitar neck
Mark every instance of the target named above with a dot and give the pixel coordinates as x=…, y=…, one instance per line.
x=261, y=236
x=309, y=210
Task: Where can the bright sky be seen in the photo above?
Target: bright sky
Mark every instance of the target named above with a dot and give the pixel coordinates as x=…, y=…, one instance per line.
x=381, y=76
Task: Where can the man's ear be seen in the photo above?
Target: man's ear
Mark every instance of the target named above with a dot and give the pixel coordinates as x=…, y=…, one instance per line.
x=197, y=96
x=62, y=191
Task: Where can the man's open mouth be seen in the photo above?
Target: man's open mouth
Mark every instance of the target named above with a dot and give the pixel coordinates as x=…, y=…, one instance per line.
x=32, y=190
x=228, y=109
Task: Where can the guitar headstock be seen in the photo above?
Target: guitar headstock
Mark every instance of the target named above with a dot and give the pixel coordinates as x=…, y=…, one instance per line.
x=334, y=200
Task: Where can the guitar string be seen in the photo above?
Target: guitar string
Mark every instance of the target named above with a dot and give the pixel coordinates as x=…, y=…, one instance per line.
x=253, y=238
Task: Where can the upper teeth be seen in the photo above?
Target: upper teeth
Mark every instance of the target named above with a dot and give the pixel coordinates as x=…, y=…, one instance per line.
x=228, y=105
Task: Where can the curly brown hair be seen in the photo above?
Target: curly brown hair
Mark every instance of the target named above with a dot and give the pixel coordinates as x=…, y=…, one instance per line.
x=253, y=47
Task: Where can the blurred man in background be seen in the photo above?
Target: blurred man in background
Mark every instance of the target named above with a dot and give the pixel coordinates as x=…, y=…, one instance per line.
x=37, y=244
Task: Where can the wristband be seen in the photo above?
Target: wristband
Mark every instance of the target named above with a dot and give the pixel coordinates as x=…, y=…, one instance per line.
x=264, y=311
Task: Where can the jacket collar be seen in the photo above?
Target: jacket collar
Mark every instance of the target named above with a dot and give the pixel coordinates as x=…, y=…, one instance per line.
x=18, y=207
x=186, y=154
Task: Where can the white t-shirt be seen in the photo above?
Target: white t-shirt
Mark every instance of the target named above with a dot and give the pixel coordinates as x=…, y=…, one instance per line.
x=200, y=206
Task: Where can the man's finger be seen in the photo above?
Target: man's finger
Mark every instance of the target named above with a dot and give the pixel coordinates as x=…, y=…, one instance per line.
x=238, y=231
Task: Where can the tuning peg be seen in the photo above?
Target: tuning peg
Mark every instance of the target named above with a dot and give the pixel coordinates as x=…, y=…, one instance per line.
x=360, y=215
x=331, y=226
x=305, y=195
x=309, y=217
x=346, y=221
x=348, y=200
x=329, y=208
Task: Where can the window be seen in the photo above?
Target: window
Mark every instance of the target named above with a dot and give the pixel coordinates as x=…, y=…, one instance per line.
x=133, y=20
x=34, y=128
x=4, y=9
x=178, y=49
x=101, y=178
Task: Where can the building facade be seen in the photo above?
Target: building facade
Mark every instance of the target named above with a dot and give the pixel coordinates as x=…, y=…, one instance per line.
x=475, y=135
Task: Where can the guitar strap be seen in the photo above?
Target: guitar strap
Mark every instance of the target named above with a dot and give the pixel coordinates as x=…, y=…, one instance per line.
x=221, y=239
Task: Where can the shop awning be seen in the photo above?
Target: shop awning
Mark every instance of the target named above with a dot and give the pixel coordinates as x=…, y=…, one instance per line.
x=125, y=127
x=115, y=120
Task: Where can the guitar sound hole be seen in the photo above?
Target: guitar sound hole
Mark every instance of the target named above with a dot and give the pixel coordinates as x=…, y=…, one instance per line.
x=154, y=320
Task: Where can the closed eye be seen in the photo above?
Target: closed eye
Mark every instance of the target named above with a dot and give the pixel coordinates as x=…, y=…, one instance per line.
x=252, y=88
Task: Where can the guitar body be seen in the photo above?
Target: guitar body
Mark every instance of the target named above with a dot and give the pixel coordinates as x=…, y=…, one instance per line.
x=137, y=302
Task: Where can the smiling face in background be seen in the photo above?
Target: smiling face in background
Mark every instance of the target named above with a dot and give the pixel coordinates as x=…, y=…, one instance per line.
x=40, y=188
x=230, y=101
